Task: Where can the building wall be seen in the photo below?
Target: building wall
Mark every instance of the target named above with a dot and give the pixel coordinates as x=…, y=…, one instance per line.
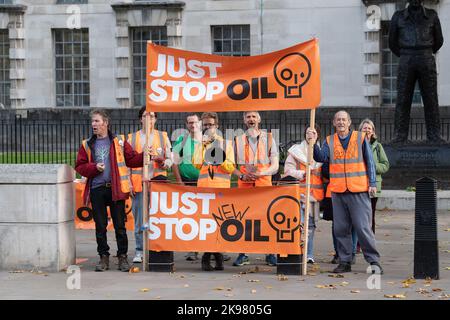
x=340, y=27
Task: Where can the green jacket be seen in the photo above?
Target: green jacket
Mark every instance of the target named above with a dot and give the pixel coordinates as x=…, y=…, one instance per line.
x=381, y=162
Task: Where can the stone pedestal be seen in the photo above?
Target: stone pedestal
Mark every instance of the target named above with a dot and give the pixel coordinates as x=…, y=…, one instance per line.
x=411, y=162
x=37, y=218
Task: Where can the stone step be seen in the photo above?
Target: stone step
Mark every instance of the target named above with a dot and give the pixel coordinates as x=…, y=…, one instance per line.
x=406, y=200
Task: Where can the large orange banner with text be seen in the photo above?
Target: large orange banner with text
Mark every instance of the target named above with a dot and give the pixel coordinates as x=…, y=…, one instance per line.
x=253, y=220
x=185, y=81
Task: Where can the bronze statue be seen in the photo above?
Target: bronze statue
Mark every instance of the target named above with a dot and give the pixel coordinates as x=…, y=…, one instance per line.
x=415, y=35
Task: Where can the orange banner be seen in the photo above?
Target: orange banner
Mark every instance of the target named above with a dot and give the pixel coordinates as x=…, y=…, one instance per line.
x=83, y=214
x=253, y=220
x=185, y=81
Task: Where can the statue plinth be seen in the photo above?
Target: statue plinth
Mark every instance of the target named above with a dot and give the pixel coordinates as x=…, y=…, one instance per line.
x=412, y=161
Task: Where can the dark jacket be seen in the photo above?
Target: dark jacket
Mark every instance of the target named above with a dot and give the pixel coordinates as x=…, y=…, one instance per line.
x=89, y=169
x=405, y=33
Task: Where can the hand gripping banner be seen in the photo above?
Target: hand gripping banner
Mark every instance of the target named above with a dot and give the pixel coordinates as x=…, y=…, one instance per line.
x=185, y=81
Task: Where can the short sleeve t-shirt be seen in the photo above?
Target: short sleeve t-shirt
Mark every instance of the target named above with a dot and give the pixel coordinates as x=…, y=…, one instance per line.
x=101, y=154
x=187, y=170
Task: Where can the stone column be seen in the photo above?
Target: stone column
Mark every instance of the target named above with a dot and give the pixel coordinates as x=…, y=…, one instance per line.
x=37, y=227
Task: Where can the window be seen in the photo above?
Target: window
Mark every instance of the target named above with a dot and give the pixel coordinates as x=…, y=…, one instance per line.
x=389, y=63
x=139, y=38
x=71, y=1
x=72, y=67
x=231, y=40
x=5, y=83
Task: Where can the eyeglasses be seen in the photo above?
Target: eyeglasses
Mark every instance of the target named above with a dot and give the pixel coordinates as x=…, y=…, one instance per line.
x=209, y=125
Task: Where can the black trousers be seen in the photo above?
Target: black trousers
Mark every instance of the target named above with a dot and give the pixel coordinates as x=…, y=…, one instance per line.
x=101, y=198
x=412, y=68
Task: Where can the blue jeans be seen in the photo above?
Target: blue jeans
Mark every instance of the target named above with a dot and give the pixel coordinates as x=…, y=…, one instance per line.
x=311, y=230
x=136, y=207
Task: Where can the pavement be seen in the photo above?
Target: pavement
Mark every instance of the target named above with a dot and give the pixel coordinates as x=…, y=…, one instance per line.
x=257, y=281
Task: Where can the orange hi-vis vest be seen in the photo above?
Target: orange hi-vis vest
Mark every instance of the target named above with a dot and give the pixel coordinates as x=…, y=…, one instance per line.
x=348, y=171
x=316, y=182
x=123, y=170
x=159, y=142
x=221, y=178
x=260, y=160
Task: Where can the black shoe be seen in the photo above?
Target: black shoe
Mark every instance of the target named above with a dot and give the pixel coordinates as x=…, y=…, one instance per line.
x=219, y=261
x=376, y=269
x=124, y=266
x=343, y=267
x=353, y=259
x=103, y=264
x=335, y=259
x=206, y=264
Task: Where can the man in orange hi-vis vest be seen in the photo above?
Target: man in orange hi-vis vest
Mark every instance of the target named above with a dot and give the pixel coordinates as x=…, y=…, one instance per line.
x=215, y=159
x=162, y=160
x=103, y=159
x=257, y=156
x=352, y=181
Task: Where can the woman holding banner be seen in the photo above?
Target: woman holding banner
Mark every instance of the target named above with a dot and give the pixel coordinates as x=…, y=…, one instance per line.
x=295, y=167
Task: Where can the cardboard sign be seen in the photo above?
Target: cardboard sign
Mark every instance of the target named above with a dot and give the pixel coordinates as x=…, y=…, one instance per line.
x=254, y=220
x=185, y=81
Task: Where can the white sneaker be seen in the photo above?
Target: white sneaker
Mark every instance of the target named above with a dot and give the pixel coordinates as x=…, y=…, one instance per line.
x=137, y=258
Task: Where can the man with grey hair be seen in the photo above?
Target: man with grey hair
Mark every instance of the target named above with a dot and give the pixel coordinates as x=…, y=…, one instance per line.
x=352, y=179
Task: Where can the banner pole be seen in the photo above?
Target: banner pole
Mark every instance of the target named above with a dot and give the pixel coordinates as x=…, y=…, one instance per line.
x=146, y=188
x=312, y=121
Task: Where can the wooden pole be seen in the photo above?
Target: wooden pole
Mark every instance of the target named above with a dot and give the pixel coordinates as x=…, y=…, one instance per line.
x=146, y=187
x=312, y=121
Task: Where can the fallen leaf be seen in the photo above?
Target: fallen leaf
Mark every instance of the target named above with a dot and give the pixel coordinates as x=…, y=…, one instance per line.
x=447, y=268
x=144, y=290
x=327, y=286
x=17, y=271
x=254, y=270
x=355, y=291
x=395, y=296
x=336, y=275
x=134, y=270
x=268, y=287
x=448, y=229
x=406, y=283
x=219, y=288
x=344, y=283
x=186, y=286
x=253, y=280
x=229, y=295
x=444, y=296
x=422, y=291
x=253, y=291
x=157, y=297
x=312, y=274
x=282, y=277
x=437, y=289
x=80, y=260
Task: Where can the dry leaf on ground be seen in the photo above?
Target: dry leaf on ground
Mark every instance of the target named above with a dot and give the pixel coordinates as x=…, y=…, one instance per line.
x=253, y=291
x=355, y=291
x=282, y=277
x=219, y=288
x=395, y=296
x=186, y=286
x=144, y=290
x=134, y=270
x=253, y=280
x=336, y=275
x=437, y=289
x=326, y=286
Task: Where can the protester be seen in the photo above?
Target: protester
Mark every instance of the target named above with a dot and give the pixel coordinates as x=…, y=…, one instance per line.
x=103, y=159
x=295, y=166
x=257, y=156
x=352, y=179
x=215, y=159
x=183, y=149
x=162, y=160
x=380, y=159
